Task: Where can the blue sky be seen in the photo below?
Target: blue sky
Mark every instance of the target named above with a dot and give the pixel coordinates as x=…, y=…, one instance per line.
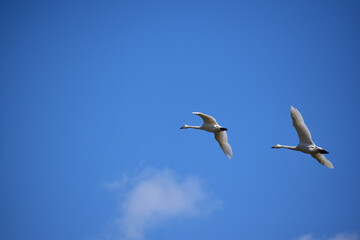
x=93, y=94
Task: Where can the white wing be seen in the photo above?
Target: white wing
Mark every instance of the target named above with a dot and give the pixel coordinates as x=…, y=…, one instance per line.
x=222, y=139
x=321, y=158
x=301, y=129
x=206, y=118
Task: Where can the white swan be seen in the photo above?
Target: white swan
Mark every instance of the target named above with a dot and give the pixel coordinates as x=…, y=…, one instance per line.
x=306, y=145
x=211, y=125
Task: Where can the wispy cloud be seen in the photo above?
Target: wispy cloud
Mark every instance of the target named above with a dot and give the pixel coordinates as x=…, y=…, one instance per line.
x=155, y=196
x=116, y=185
x=339, y=236
x=306, y=237
x=345, y=236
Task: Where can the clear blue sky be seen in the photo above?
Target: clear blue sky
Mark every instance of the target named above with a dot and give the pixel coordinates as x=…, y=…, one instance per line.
x=93, y=93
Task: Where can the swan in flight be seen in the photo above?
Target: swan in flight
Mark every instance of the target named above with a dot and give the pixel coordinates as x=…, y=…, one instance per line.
x=211, y=125
x=306, y=145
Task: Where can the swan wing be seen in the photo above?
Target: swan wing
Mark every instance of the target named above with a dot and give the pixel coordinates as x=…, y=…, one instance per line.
x=222, y=139
x=301, y=129
x=206, y=118
x=322, y=159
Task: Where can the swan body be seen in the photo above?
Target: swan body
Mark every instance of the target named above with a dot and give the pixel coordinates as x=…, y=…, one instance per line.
x=306, y=145
x=210, y=125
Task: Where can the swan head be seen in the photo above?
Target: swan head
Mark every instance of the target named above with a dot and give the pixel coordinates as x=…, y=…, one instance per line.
x=276, y=146
x=184, y=127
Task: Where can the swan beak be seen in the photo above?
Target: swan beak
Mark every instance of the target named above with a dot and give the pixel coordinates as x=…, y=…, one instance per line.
x=223, y=129
x=182, y=128
x=273, y=147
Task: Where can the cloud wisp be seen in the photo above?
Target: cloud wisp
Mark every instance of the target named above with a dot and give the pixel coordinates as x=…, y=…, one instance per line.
x=156, y=196
x=339, y=236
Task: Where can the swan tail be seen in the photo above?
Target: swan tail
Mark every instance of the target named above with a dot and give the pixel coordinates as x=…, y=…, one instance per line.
x=322, y=151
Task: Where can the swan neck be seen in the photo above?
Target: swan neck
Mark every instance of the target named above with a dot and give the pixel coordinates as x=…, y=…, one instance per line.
x=288, y=147
x=195, y=127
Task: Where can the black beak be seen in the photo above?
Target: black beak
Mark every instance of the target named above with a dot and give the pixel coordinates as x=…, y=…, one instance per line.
x=272, y=147
x=223, y=129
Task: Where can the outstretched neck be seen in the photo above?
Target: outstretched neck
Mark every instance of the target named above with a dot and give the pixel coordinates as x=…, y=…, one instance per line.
x=287, y=147
x=187, y=126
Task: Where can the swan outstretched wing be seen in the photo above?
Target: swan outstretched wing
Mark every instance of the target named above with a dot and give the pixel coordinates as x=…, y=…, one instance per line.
x=206, y=118
x=301, y=129
x=222, y=139
x=322, y=159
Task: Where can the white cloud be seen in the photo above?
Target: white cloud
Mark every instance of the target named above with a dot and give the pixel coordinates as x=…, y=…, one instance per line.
x=156, y=196
x=339, y=236
x=345, y=236
x=306, y=237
